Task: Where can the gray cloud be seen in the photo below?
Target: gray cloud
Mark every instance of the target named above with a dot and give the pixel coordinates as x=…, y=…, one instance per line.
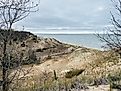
x=60, y=13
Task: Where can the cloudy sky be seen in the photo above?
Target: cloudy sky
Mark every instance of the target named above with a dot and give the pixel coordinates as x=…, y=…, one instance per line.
x=69, y=14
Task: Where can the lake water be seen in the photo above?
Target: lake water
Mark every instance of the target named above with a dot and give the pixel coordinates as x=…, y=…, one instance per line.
x=85, y=40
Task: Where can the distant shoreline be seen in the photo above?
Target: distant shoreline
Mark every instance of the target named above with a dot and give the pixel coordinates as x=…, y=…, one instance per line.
x=62, y=34
x=84, y=40
x=68, y=33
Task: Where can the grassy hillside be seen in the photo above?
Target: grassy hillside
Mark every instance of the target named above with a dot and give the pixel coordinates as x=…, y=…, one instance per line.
x=61, y=67
x=32, y=47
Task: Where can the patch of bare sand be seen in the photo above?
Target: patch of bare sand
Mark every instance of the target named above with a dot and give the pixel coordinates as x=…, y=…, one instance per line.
x=76, y=60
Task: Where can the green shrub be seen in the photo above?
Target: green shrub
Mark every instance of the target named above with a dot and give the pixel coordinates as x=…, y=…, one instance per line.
x=115, y=81
x=115, y=86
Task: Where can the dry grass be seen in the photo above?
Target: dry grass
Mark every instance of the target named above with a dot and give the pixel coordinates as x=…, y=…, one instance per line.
x=97, y=64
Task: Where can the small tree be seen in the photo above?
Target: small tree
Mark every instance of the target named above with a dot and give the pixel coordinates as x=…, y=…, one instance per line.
x=11, y=11
x=112, y=37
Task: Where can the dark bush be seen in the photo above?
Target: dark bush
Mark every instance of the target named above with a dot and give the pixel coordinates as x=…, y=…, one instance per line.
x=15, y=39
x=39, y=50
x=116, y=86
x=23, y=44
x=49, y=57
x=16, y=35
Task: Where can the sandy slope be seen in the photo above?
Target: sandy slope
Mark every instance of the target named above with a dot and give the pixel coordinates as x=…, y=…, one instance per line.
x=54, y=55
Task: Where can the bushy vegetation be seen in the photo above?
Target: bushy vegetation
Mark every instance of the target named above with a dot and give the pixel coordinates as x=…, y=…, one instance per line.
x=39, y=50
x=115, y=80
x=51, y=84
x=17, y=35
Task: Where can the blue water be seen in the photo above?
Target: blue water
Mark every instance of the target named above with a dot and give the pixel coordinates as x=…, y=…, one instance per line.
x=85, y=40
